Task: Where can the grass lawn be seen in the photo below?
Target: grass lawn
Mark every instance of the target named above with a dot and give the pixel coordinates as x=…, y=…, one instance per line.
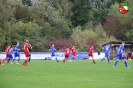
x=74, y=74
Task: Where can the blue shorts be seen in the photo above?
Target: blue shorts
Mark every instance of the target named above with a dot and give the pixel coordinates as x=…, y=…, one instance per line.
x=106, y=54
x=123, y=57
x=119, y=56
x=53, y=54
x=10, y=56
x=16, y=55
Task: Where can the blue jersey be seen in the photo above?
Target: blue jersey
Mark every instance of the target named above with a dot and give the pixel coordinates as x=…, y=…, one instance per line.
x=107, y=48
x=16, y=49
x=11, y=51
x=120, y=49
x=52, y=49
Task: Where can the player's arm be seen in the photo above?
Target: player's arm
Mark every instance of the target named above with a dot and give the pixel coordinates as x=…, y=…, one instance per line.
x=18, y=49
x=50, y=49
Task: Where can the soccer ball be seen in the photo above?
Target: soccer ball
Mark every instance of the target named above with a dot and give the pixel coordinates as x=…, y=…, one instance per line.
x=69, y=60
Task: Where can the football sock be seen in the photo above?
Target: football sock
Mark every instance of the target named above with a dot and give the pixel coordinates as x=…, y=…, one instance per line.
x=29, y=59
x=108, y=60
x=13, y=60
x=8, y=60
x=0, y=62
x=116, y=63
x=18, y=59
x=102, y=59
x=63, y=60
x=125, y=63
x=56, y=59
x=25, y=63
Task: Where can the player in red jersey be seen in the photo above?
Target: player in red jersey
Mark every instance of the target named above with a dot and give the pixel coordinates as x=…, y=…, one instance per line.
x=67, y=53
x=73, y=50
x=1, y=61
x=7, y=51
x=26, y=52
x=90, y=53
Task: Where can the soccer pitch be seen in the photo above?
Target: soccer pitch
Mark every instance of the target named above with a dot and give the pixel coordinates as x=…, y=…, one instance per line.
x=74, y=74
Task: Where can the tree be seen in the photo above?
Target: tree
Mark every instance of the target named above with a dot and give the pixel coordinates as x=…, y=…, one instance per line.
x=119, y=25
x=50, y=14
x=26, y=3
x=22, y=13
x=100, y=9
x=82, y=13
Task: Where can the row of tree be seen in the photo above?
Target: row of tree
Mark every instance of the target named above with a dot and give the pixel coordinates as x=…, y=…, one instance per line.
x=62, y=22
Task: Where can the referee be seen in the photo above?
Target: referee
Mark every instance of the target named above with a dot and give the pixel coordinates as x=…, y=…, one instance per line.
x=30, y=48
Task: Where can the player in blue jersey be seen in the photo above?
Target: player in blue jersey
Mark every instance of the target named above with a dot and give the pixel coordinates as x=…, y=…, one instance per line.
x=10, y=57
x=52, y=49
x=106, y=51
x=16, y=53
x=121, y=55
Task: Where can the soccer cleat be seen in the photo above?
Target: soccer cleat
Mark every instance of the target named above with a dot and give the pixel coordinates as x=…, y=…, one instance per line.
x=63, y=61
x=128, y=66
x=94, y=62
x=58, y=61
x=114, y=66
x=17, y=63
x=11, y=63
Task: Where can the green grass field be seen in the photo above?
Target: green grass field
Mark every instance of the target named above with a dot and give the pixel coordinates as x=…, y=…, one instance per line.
x=74, y=74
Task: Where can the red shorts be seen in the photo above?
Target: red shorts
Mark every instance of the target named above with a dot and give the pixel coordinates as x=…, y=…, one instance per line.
x=90, y=54
x=67, y=55
x=26, y=53
x=74, y=54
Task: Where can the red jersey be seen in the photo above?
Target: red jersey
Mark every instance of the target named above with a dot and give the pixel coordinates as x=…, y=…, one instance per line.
x=67, y=51
x=7, y=49
x=91, y=49
x=26, y=47
x=73, y=51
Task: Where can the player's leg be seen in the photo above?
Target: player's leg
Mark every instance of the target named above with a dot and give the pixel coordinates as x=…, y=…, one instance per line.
x=53, y=55
x=25, y=61
x=64, y=60
x=66, y=56
x=56, y=59
x=108, y=60
x=107, y=56
x=9, y=58
x=0, y=62
x=125, y=62
x=104, y=57
x=15, y=55
x=18, y=55
x=91, y=55
x=27, y=57
x=74, y=57
x=117, y=60
x=93, y=60
x=6, y=57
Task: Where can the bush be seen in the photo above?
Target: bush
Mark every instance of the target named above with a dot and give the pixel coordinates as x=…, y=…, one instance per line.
x=60, y=44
